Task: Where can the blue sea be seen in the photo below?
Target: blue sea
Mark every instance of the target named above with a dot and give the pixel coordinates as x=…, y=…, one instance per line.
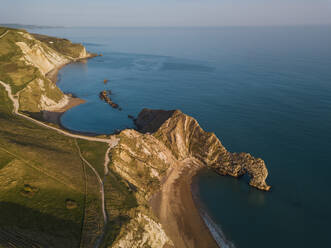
x=262, y=90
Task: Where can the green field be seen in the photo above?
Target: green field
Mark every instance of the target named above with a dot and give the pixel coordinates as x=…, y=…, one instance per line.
x=39, y=171
x=49, y=197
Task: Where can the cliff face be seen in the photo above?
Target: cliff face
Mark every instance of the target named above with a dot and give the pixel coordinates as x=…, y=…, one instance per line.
x=166, y=140
x=185, y=138
x=26, y=60
x=143, y=231
x=172, y=136
x=142, y=160
x=39, y=55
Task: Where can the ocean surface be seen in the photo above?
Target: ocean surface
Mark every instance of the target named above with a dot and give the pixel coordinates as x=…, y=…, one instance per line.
x=266, y=91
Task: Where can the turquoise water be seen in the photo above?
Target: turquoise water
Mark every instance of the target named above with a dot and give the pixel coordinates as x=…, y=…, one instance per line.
x=266, y=91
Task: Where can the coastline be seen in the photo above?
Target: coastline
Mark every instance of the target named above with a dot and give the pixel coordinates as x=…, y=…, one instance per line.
x=53, y=74
x=54, y=116
x=177, y=211
x=214, y=229
x=177, y=205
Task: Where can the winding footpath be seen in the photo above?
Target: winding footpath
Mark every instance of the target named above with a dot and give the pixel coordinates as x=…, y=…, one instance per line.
x=100, y=182
x=112, y=142
x=3, y=35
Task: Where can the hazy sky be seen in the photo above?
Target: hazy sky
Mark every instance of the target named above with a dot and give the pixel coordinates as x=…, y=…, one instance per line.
x=166, y=12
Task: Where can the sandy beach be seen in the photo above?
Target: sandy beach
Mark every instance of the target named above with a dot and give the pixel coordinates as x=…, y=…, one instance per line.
x=175, y=207
x=54, y=116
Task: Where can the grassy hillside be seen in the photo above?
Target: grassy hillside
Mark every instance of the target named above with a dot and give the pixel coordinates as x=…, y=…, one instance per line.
x=23, y=76
x=62, y=46
x=49, y=197
x=13, y=70
x=39, y=172
x=26, y=59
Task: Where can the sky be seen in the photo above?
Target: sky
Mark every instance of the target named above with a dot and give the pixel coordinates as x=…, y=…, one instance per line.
x=132, y=13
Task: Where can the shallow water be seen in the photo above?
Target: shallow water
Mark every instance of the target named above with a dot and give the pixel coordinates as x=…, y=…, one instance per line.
x=266, y=91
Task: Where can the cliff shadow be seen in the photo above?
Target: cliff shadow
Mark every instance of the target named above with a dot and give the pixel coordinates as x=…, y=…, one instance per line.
x=150, y=120
x=21, y=225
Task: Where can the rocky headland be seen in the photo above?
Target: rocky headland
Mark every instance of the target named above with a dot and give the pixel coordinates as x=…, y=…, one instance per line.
x=186, y=139
x=154, y=164
x=33, y=72
x=161, y=157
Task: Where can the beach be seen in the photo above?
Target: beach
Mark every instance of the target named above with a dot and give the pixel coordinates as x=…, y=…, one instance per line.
x=177, y=211
x=54, y=115
x=176, y=204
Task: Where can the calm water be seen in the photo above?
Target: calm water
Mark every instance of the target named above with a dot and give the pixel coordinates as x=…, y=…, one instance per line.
x=266, y=91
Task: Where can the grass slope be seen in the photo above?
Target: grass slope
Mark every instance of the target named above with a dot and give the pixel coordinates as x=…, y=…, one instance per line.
x=62, y=46
x=39, y=171
x=48, y=196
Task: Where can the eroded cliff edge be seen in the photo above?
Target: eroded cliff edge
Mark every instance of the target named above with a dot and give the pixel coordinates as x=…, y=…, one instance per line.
x=25, y=63
x=167, y=147
x=166, y=141
x=181, y=136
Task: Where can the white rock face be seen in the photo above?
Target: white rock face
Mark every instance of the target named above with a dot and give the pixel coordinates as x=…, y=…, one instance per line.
x=45, y=61
x=50, y=105
x=39, y=55
x=83, y=53
x=142, y=231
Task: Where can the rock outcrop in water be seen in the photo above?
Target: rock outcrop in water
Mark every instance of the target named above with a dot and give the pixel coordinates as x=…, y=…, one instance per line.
x=185, y=138
x=105, y=97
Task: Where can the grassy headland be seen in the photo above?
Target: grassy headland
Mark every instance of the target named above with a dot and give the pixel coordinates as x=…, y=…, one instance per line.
x=48, y=197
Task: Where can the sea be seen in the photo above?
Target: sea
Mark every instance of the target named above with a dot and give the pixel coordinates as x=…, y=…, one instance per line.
x=262, y=90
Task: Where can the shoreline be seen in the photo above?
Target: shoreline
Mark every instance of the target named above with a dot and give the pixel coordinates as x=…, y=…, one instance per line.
x=54, y=116
x=214, y=229
x=177, y=204
x=53, y=74
x=177, y=210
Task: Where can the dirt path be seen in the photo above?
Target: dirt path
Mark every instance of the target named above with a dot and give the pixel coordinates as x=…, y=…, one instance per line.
x=3, y=35
x=100, y=183
x=107, y=160
x=111, y=142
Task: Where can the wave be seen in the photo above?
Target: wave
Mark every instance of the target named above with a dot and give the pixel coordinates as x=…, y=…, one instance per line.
x=215, y=231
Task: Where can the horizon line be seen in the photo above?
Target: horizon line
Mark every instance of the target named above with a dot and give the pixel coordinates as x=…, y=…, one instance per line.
x=164, y=26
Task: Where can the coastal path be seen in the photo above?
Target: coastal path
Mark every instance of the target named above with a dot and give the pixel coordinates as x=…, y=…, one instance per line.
x=112, y=142
x=3, y=35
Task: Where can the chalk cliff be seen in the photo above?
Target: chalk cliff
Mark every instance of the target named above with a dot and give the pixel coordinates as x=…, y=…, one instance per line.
x=28, y=61
x=143, y=157
x=166, y=137
x=165, y=140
